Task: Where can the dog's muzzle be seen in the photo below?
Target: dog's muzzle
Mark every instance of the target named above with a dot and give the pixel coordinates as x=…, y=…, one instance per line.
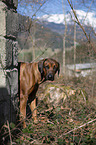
x=50, y=77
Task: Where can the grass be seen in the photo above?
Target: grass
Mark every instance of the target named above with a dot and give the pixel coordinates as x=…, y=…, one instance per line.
x=26, y=54
x=71, y=122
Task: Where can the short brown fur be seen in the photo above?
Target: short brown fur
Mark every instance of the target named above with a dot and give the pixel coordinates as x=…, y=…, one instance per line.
x=31, y=75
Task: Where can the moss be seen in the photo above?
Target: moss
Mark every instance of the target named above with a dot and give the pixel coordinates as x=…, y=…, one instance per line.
x=47, y=96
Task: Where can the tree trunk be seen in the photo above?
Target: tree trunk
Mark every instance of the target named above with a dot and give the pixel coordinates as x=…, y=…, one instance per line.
x=74, y=47
x=64, y=41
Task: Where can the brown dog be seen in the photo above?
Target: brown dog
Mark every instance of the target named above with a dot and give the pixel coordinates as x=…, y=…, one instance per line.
x=31, y=75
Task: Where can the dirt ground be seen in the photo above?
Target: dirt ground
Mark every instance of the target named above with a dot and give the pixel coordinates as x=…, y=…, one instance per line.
x=72, y=122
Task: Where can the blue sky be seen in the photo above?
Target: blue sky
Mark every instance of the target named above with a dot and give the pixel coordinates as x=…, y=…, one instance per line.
x=54, y=7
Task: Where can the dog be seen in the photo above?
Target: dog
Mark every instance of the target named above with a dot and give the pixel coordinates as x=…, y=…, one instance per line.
x=31, y=76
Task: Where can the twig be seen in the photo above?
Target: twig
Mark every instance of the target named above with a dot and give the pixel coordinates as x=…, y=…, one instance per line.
x=88, y=10
x=83, y=95
x=9, y=132
x=78, y=22
x=30, y=25
x=77, y=128
x=40, y=54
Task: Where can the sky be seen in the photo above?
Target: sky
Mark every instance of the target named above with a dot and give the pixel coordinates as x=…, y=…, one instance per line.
x=54, y=7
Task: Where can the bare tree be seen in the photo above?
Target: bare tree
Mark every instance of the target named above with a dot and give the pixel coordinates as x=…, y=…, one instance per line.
x=33, y=8
x=64, y=39
x=33, y=39
x=78, y=22
x=74, y=46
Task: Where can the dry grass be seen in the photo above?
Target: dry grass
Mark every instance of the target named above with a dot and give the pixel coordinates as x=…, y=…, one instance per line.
x=71, y=122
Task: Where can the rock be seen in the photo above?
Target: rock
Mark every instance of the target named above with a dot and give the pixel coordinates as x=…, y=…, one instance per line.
x=54, y=94
x=57, y=95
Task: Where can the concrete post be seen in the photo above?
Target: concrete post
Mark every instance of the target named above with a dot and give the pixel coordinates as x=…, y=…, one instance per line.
x=8, y=61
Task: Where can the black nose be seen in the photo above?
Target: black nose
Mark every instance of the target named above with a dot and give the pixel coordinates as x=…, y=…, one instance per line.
x=50, y=77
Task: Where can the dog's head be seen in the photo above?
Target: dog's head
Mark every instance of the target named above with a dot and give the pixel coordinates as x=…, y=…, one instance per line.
x=48, y=68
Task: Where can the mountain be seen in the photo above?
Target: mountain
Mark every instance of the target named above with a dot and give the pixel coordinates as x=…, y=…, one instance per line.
x=55, y=22
x=85, y=18
x=49, y=35
x=49, y=30
x=60, y=29
x=43, y=37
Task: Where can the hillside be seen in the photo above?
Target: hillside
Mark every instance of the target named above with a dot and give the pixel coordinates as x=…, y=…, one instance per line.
x=48, y=35
x=59, y=28
x=85, y=18
x=43, y=36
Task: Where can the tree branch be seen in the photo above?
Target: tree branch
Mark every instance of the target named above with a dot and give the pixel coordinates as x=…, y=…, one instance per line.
x=77, y=127
x=78, y=22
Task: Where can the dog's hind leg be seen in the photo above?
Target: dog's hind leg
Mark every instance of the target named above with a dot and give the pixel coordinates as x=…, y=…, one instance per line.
x=34, y=110
x=23, y=102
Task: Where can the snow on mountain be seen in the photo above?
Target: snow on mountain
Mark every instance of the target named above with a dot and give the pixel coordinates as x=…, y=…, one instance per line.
x=84, y=17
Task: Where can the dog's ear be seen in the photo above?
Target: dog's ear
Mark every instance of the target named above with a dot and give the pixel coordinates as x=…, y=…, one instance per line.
x=40, y=67
x=58, y=69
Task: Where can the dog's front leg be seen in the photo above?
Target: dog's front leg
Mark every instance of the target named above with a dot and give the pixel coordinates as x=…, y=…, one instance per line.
x=23, y=102
x=34, y=110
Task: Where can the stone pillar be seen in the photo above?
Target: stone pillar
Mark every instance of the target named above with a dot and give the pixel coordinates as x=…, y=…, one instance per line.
x=8, y=61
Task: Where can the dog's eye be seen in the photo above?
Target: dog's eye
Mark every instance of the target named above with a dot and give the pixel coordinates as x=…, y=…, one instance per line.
x=47, y=66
